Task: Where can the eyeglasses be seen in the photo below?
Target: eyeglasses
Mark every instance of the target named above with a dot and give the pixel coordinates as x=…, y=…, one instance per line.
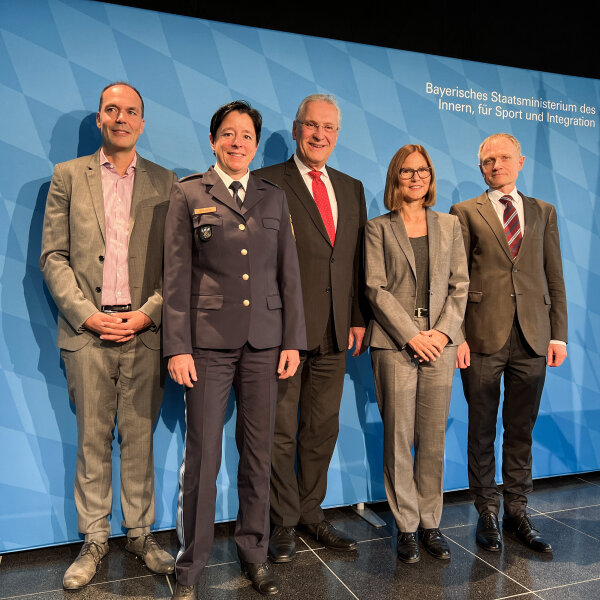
x=422, y=172
x=312, y=126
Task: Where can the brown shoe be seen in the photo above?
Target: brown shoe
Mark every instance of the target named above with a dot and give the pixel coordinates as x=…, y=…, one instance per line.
x=184, y=592
x=149, y=550
x=83, y=568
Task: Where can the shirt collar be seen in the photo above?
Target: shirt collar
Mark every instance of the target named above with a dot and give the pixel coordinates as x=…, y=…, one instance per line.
x=106, y=163
x=228, y=179
x=304, y=170
x=495, y=195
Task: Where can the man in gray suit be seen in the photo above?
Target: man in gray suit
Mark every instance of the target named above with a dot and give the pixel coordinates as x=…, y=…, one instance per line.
x=515, y=325
x=328, y=213
x=102, y=261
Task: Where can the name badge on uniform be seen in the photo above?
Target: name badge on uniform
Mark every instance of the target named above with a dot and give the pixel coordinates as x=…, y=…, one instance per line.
x=205, y=232
x=202, y=211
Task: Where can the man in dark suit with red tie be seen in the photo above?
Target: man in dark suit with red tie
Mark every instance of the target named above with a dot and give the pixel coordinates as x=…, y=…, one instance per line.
x=328, y=215
x=515, y=325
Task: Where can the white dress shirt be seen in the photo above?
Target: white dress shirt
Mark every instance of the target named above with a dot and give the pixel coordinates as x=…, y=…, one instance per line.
x=227, y=179
x=304, y=170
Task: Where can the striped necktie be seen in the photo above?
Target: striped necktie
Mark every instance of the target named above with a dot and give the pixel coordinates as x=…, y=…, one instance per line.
x=512, y=226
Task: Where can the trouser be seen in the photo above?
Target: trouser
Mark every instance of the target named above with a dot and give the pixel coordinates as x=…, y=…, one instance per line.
x=106, y=379
x=414, y=399
x=253, y=375
x=306, y=430
x=524, y=373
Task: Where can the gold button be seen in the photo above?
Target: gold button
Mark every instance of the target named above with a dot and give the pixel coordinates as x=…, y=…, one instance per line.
x=246, y=302
x=244, y=251
x=242, y=226
x=245, y=276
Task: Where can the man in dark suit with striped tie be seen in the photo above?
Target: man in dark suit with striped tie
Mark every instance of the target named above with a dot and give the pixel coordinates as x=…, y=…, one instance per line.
x=515, y=325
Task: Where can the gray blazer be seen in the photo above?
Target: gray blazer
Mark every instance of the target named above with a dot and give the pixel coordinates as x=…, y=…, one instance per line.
x=391, y=279
x=73, y=245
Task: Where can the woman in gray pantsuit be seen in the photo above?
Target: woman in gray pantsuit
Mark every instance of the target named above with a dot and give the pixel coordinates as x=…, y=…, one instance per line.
x=417, y=282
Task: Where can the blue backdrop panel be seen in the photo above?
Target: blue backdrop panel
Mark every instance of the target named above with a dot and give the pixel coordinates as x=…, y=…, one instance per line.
x=56, y=55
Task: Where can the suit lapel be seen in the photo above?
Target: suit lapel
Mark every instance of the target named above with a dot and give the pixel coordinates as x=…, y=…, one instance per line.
x=531, y=223
x=486, y=210
x=402, y=237
x=142, y=189
x=254, y=193
x=433, y=237
x=340, y=193
x=95, y=183
x=216, y=187
x=296, y=186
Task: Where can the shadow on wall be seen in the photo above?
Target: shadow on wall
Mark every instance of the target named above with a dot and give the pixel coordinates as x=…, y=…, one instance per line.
x=54, y=440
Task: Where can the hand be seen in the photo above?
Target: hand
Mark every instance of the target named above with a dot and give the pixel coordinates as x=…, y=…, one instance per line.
x=182, y=369
x=288, y=363
x=463, y=356
x=556, y=355
x=424, y=347
x=439, y=339
x=356, y=336
x=109, y=327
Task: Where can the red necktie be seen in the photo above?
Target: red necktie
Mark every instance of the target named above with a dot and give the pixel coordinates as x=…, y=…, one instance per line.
x=322, y=201
x=512, y=226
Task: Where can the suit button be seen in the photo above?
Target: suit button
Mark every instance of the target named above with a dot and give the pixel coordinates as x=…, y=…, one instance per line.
x=241, y=226
x=328, y=290
x=332, y=259
x=245, y=276
x=98, y=289
x=246, y=302
x=243, y=251
x=101, y=258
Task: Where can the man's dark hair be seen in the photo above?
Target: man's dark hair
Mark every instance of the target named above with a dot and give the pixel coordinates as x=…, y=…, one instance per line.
x=241, y=106
x=125, y=84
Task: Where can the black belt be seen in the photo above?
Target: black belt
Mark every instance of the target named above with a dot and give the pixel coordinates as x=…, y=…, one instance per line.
x=421, y=312
x=113, y=308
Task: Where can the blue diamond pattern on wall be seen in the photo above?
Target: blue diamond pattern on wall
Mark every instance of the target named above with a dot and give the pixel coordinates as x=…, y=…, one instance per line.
x=55, y=57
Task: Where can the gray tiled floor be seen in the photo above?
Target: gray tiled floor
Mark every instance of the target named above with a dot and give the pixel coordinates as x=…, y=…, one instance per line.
x=566, y=510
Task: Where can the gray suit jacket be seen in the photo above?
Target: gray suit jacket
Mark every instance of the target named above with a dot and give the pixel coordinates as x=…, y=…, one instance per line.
x=231, y=274
x=532, y=284
x=391, y=279
x=73, y=245
x=330, y=276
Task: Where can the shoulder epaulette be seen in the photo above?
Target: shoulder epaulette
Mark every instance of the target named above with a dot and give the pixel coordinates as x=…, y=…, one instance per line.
x=192, y=176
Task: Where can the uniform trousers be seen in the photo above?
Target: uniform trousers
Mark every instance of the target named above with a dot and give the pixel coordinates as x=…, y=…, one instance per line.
x=414, y=399
x=253, y=374
x=524, y=374
x=106, y=379
x=306, y=431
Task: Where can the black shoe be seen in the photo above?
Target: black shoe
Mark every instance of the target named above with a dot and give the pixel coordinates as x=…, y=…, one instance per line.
x=262, y=578
x=184, y=592
x=282, y=545
x=408, y=549
x=488, y=534
x=326, y=534
x=434, y=543
x=523, y=530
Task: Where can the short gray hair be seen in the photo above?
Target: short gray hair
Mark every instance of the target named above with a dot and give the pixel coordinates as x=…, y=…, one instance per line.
x=330, y=98
x=496, y=136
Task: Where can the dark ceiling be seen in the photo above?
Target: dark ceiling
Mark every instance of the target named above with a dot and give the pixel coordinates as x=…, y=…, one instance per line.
x=531, y=35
